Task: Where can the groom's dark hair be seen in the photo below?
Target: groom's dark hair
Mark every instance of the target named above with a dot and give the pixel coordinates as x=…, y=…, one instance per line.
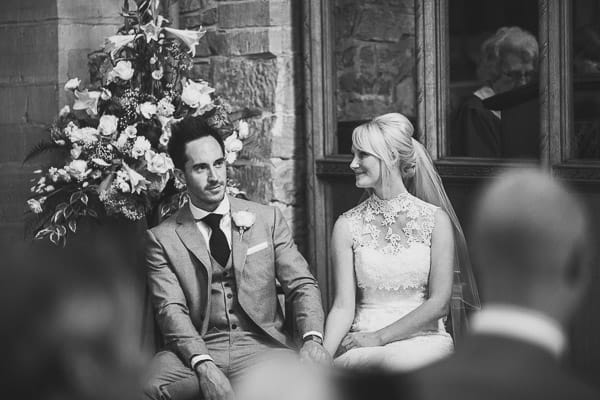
x=187, y=130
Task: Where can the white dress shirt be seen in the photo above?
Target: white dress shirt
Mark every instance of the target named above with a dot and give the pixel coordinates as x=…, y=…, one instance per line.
x=224, y=224
x=521, y=324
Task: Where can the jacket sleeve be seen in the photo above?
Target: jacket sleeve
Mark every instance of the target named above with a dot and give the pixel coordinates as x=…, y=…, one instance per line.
x=298, y=284
x=169, y=303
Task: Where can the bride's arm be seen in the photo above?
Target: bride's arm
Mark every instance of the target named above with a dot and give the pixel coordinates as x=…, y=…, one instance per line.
x=440, y=286
x=341, y=314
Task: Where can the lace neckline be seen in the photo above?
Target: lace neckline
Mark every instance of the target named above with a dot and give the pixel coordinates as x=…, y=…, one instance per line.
x=389, y=209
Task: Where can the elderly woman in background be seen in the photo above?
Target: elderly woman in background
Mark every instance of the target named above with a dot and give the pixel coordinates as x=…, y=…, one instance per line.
x=509, y=59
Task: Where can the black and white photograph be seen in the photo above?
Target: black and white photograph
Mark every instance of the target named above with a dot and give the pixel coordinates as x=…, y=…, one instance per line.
x=300, y=199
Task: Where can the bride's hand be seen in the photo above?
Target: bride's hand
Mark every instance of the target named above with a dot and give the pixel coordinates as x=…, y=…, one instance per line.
x=361, y=339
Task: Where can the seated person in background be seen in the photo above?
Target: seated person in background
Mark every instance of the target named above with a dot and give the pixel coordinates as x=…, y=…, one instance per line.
x=509, y=59
x=532, y=247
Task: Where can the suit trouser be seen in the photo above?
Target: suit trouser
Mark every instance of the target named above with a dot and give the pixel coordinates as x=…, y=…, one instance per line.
x=233, y=352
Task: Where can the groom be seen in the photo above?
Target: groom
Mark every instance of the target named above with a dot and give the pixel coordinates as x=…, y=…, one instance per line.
x=212, y=271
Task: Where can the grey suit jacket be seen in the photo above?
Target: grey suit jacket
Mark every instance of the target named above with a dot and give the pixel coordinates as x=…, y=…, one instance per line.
x=179, y=278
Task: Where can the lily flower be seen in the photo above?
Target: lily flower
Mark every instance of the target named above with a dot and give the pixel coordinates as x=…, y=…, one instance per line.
x=190, y=38
x=116, y=43
x=152, y=30
x=137, y=181
x=87, y=101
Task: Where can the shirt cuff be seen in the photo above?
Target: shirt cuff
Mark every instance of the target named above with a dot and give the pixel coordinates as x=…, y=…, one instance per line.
x=198, y=359
x=313, y=333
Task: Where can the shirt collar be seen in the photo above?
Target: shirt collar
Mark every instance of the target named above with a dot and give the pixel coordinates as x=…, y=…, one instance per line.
x=199, y=213
x=483, y=93
x=522, y=324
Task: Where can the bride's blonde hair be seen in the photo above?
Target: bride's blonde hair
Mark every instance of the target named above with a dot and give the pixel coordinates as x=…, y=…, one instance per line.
x=388, y=138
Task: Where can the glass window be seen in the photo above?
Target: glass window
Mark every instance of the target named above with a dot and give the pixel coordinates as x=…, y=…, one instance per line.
x=494, y=95
x=374, y=62
x=585, y=140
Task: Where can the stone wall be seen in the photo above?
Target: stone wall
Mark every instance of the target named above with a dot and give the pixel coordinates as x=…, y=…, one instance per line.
x=251, y=54
x=44, y=42
x=375, y=58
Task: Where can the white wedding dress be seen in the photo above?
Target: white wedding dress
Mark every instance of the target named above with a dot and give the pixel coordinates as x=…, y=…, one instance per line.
x=392, y=254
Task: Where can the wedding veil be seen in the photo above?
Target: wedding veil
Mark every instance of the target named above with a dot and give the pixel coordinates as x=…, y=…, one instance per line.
x=427, y=186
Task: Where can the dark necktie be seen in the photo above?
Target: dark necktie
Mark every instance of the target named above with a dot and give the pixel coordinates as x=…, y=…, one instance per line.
x=219, y=248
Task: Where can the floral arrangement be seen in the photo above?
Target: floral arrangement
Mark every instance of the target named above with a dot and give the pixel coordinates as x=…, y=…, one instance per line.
x=110, y=145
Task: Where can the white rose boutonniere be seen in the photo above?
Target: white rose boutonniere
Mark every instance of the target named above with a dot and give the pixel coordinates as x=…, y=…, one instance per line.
x=243, y=220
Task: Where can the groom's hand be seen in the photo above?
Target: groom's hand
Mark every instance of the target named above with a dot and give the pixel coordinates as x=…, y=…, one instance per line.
x=213, y=382
x=313, y=351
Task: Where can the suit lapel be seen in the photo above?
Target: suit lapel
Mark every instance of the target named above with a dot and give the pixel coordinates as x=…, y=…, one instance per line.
x=238, y=244
x=192, y=238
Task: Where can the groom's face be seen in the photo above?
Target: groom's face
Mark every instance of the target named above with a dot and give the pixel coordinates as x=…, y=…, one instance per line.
x=205, y=172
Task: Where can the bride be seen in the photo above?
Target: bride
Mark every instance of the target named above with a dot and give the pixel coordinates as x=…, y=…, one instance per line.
x=394, y=257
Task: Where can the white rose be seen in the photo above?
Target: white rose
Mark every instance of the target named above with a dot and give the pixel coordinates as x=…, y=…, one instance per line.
x=108, y=125
x=158, y=163
x=72, y=84
x=196, y=94
x=131, y=131
x=233, y=144
x=35, y=206
x=147, y=109
x=77, y=169
x=243, y=219
x=64, y=111
x=123, y=70
x=243, y=130
x=157, y=74
x=140, y=147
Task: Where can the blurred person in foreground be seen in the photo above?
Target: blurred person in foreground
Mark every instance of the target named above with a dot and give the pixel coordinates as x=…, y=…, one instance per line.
x=71, y=323
x=212, y=271
x=531, y=244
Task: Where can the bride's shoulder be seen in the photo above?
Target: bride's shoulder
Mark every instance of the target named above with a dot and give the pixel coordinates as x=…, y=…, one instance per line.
x=355, y=211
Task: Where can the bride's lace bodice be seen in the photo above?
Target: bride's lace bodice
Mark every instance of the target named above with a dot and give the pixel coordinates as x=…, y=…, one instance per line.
x=391, y=240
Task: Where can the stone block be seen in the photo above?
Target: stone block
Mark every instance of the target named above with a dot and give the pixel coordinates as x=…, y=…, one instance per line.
x=186, y=6
x=16, y=140
x=289, y=92
x=12, y=143
x=255, y=179
x=258, y=144
x=288, y=179
x=241, y=15
x=246, y=82
x=405, y=97
x=200, y=18
x=27, y=10
x=287, y=136
x=21, y=104
x=14, y=191
x=34, y=53
x=96, y=10
x=236, y=43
